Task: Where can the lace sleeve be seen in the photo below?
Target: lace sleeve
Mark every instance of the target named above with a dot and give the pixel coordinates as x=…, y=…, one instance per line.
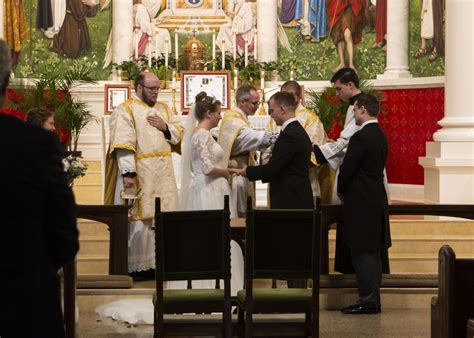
x=200, y=144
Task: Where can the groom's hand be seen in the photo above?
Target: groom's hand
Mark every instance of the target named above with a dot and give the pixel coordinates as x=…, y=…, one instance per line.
x=242, y=171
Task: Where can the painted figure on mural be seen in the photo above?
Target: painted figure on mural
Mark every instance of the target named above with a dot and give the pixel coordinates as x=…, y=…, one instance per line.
x=431, y=28
x=73, y=38
x=50, y=16
x=308, y=15
x=14, y=27
x=244, y=21
x=345, y=21
x=380, y=24
x=145, y=12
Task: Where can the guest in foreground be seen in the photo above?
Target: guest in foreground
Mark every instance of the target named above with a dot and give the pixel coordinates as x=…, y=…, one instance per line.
x=366, y=229
x=287, y=169
x=41, y=118
x=41, y=236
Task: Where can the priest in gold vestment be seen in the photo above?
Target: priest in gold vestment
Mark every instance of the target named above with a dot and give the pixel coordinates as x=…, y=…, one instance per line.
x=239, y=142
x=139, y=163
x=311, y=124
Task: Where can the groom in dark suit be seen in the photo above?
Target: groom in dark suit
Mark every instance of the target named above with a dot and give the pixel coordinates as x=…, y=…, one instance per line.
x=366, y=229
x=38, y=225
x=287, y=169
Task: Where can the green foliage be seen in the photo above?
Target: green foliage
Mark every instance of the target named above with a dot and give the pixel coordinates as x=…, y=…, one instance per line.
x=43, y=59
x=53, y=92
x=330, y=108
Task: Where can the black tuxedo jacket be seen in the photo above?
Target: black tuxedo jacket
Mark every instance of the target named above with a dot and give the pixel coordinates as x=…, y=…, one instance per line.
x=287, y=170
x=366, y=225
x=38, y=230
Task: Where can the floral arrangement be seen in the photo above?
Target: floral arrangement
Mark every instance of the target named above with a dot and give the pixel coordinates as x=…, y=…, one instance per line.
x=74, y=167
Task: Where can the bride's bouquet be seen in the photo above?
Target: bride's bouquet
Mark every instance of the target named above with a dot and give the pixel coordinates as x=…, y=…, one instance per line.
x=74, y=167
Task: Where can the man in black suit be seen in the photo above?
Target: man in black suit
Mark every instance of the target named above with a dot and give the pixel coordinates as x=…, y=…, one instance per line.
x=366, y=229
x=287, y=169
x=38, y=225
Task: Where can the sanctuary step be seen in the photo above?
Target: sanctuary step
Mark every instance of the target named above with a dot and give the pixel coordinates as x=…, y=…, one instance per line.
x=88, y=189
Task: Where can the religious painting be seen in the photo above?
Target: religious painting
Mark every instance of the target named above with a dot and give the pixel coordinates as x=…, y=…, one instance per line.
x=194, y=4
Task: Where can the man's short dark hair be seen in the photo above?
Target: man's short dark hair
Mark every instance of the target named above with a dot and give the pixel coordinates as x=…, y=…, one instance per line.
x=346, y=75
x=140, y=80
x=369, y=102
x=284, y=99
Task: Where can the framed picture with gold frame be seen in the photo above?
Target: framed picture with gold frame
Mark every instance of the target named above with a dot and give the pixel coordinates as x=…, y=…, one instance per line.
x=114, y=96
x=215, y=84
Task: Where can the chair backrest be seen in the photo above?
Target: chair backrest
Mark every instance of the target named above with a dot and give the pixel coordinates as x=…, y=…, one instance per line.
x=282, y=243
x=192, y=244
x=105, y=140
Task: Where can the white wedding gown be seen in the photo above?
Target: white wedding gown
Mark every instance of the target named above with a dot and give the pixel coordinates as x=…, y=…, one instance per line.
x=205, y=192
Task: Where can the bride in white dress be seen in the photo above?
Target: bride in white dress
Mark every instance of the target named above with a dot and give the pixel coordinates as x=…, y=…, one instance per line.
x=204, y=182
x=205, y=179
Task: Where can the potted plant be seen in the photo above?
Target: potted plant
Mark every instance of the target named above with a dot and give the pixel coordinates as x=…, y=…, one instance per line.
x=53, y=92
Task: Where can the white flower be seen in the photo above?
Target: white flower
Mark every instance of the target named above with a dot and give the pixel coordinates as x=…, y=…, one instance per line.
x=74, y=167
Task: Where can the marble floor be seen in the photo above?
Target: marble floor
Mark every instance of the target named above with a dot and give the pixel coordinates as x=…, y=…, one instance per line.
x=391, y=323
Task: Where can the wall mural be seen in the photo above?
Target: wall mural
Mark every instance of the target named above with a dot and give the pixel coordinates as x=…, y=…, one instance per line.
x=324, y=35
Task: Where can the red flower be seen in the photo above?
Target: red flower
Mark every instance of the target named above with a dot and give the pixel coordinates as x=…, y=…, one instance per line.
x=13, y=112
x=64, y=136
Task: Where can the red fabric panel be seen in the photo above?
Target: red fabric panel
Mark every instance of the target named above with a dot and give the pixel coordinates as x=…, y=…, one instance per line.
x=409, y=121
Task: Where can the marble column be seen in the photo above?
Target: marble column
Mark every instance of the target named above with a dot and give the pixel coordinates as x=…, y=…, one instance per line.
x=449, y=161
x=122, y=30
x=397, y=40
x=267, y=17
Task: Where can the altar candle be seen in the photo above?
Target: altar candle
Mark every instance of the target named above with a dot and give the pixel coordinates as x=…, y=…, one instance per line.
x=234, y=44
x=149, y=52
x=213, y=44
x=136, y=43
x=119, y=74
x=174, y=79
x=223, y=53
x=166, y=52
x=246, y=53
x=155, y=33
x=176, y=46
x=262, y=79
x=292, y=75
x=236, y=78
x=255, y=46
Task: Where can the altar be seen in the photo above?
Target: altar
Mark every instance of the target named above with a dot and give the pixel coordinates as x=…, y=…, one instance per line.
x=204, y=14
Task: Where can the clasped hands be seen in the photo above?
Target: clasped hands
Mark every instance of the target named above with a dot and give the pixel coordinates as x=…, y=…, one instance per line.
x=237, y=171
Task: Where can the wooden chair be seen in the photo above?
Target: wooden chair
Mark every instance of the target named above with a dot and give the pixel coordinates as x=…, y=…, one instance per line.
x=281, y=244
x=454, y=305
x=192, y=245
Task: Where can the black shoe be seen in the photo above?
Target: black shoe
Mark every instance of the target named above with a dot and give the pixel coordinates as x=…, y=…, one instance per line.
x=359, y=309
x=137, y=276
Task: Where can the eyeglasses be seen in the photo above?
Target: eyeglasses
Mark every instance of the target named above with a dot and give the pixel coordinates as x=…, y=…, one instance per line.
x=153, y=89
x=253, y=103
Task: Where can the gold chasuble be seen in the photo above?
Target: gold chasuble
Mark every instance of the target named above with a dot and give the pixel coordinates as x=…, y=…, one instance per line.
x=130, y=130
x=315, y=130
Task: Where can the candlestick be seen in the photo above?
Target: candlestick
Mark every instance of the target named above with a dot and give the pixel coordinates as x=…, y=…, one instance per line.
x=234, y=45
x=119, y=74
x=174, y=79
x=149, y=51
x=262, y=79
x=236, y=78
x=166, y=52
x=213, y=44
x=176, y=51
x=292, y=75
x=246, y=53
x=255, y=46
x=136, y=43
x=223, y=53
x=156, y=44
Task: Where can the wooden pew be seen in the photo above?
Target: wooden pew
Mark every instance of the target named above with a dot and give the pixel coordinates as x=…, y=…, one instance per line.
x=454, y=305
x=116, y=218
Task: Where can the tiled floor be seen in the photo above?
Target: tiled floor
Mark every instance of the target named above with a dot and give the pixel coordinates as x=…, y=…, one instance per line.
x=391, y=323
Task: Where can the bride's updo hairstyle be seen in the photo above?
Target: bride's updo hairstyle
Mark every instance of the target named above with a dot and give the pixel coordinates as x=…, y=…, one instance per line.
x=204, y=103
